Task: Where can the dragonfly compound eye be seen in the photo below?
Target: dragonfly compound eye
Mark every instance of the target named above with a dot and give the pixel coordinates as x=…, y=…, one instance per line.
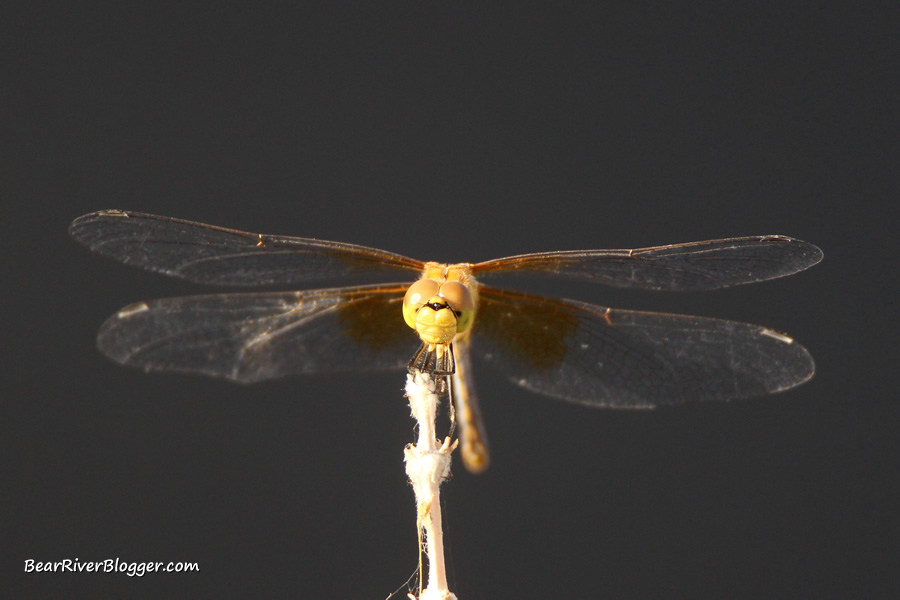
x=416, y=296
x=459, y=298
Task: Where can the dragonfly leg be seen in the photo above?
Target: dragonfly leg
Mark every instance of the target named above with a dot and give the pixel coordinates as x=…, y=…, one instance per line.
x=434, y=359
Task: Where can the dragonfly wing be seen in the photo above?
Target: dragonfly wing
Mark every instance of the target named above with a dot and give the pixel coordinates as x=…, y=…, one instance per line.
x=216, y=255
x=249, y=337
x=630, y=359
x=678, y=267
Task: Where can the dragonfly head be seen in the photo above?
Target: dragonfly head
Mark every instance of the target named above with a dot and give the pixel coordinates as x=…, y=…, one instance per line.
x=438, y=311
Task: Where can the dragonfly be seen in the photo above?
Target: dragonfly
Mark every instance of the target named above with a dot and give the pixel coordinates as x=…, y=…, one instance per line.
x=566, y=349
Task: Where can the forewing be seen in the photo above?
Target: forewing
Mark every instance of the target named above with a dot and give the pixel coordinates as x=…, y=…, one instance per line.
x=215, y=255
x=630, y=359
x=678, y=267
x=249, y=337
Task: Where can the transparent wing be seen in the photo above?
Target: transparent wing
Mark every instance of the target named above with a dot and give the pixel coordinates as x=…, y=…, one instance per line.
x=216, y=255
x=629, y=359
x=248, y=337
x=678, y=267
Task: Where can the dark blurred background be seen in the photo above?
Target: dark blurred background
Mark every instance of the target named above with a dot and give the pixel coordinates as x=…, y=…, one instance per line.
x=452, y=132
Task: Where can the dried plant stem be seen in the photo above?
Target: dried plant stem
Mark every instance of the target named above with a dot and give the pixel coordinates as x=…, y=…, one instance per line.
x=427, y=465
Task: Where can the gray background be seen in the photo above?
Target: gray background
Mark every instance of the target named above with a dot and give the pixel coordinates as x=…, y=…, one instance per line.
x=452, y=133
